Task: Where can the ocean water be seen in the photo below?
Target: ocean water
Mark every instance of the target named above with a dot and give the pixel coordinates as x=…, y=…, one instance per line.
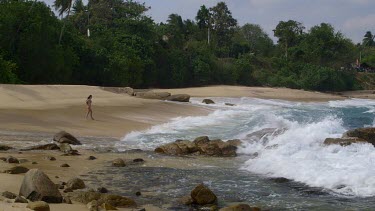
x=319, y=177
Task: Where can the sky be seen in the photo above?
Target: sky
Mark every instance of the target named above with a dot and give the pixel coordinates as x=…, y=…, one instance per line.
x=352, y=17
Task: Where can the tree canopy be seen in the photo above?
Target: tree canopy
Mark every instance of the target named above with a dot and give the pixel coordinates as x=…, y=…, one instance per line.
x=127, y=48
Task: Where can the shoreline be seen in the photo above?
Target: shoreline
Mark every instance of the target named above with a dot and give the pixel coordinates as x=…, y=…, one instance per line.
x=43, y=110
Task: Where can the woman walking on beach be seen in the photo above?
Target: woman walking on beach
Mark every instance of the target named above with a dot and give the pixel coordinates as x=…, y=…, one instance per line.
x=89, y=109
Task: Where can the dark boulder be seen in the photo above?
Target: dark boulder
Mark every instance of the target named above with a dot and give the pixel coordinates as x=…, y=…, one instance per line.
x=75, y=184
x=179, y=98
x=208, y=101
x=64, y=137
x=43, y=147
x=118, y=163
x=17, y=170
x=202, y=195
x=367, y=134
x=343, y=141
x=5, y=148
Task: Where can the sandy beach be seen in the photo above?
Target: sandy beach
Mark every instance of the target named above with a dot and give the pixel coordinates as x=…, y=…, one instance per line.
x=50, y=108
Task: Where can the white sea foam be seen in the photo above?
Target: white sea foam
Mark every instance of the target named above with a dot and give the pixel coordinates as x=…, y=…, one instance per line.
x=297, y=154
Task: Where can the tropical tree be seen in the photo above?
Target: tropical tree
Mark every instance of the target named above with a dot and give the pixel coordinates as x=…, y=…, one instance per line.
x=288, y=33
x=63, y=6
x=369, y=39
x=223, y=23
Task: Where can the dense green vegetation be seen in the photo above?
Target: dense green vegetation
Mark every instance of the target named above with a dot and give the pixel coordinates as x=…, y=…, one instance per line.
x=127, y=48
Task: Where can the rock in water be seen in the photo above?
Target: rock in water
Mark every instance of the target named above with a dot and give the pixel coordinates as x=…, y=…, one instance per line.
x=64, y=137
x=65, y=148
x=208, y=101
x=202, y=195
x=43, y=147
x=201, y=145
x=367, y=134
x=118, y=163
x=75, y=183
x=38, y=206
x=114, y=200
x=343, y=141
x=37, y=186
x=5, y=148
x=240, y=207
x=179, y=98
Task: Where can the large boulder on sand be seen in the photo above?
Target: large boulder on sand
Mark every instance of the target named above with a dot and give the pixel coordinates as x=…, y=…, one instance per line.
x=202, y=195
x=367, y=134
x=37, y=186
x=179, y=98
x=153, y=95
x=75, y=183
x=64, y=137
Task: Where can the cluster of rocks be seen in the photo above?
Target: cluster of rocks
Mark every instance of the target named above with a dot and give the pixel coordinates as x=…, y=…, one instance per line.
x=359, y=135
x=202, y=196
x=38, y=190
x=163, y=96
x=201, y=146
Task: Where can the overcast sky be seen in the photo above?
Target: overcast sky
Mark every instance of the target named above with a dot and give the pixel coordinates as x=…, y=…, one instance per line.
x=351, y=17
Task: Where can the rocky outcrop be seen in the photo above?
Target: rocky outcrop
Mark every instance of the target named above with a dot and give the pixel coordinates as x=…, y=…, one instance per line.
x=153, y=95
x=343, y=141
x=42, y=147
x=75, y=184
x=240, y=207
x=5, y=148
x=202, y=195
x=11, y=159
x=16, y=170
x=200, y=146
x=64, y=137
x=8, y=195
x=367, y=134
x=264, y=135
x=114, y=200
x=208, y=101
x=37, y=186
x=20, y=199
x=120, y=90
x=179, y=98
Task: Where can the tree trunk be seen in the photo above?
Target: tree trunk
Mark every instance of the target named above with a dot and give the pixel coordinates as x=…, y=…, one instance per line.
x=66, y=19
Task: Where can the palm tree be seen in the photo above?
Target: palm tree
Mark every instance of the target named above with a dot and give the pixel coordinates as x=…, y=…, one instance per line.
x=63, y=6
x=368, y=39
